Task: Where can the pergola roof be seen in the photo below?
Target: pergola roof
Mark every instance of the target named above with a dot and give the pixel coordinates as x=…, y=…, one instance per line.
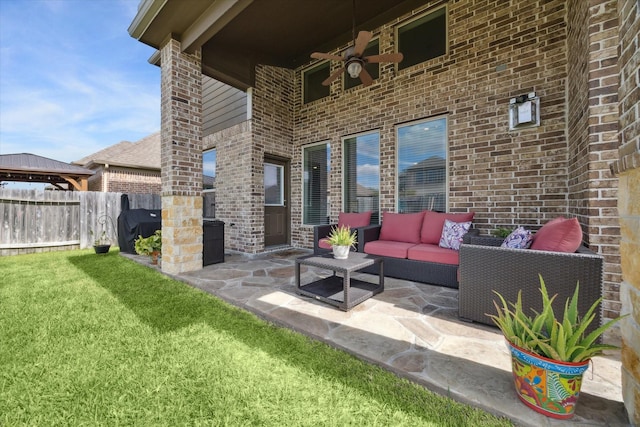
x=25, y=167
x=235, y=35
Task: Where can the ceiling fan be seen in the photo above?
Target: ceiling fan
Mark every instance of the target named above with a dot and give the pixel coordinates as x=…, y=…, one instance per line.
x=354, y=62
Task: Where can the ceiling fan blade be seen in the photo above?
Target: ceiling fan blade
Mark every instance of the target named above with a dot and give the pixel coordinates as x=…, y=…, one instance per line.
x=365, y=78
x=361, y=42
x=385, y=57
x=320, y=55
x=337, y=73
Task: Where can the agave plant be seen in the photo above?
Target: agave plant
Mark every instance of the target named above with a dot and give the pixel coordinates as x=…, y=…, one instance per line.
x=563, y=340
x=342, y=236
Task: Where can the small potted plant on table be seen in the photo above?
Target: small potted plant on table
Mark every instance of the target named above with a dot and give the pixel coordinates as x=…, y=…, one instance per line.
x=151, y=246
x=341, y=240
x=550, y=355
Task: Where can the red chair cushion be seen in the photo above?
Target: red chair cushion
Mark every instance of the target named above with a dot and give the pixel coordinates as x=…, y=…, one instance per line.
x=354, y=219
x=558, y=235
x=324, y=243
x=401, y=227
x=434, y=222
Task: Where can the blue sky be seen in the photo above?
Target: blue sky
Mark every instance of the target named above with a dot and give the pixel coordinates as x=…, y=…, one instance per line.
x=72, y=80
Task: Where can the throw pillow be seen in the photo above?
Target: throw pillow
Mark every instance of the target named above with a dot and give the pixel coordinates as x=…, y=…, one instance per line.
x=452, y=234
x=354, y=219
x=558, y=236
x=520, y=238
x=434, y=222
x=401, y=227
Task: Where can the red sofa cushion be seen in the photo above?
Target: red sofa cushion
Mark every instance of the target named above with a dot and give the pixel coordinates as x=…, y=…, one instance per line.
x=558, y=235
x=402, y=227
x=354, y=219
x=433, y=253
x=388, y=248
x=433, y=223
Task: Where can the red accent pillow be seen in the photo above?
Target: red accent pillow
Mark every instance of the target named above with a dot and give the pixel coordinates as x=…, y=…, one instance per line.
x=563, y=235
x=354, y=220
x=401, y=227
x=434, y=223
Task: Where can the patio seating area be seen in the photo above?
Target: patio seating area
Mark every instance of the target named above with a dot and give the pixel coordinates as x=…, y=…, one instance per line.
x=411, y=329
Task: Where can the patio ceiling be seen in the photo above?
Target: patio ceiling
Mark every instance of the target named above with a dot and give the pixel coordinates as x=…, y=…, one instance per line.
x=236, y=35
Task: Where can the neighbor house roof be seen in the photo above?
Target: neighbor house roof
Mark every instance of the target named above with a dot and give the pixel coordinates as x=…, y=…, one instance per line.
x=25, y=167
x=142, y=154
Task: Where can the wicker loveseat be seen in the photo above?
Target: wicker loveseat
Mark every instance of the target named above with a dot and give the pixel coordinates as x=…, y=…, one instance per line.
x=485, y=267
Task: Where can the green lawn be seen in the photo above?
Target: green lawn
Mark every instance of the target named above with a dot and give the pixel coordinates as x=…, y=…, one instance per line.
x=91, y=339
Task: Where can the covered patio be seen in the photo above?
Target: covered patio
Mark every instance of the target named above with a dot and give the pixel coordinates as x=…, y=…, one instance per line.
x=411, y=329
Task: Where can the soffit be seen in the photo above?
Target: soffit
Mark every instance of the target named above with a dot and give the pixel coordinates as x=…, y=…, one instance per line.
x=236, y=35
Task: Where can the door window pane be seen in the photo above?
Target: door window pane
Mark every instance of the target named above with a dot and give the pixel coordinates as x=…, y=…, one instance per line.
x=361, y=160
x=422, y=166
x=316, y=184
x=273, y=185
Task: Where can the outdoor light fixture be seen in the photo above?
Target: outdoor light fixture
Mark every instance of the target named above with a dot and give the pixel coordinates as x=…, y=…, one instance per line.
x=354, y=69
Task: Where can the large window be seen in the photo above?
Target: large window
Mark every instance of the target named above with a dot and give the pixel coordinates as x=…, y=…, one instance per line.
x=422, y=165
x=312, y=82
x=361, y=166
x=316, y=184
x=209, y=184
x=423, y=38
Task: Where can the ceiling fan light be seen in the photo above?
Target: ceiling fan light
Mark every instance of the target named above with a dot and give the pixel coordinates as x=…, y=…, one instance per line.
x=354, y=69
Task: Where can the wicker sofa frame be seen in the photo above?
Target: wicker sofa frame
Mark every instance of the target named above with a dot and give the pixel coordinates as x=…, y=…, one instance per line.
x=486, y=267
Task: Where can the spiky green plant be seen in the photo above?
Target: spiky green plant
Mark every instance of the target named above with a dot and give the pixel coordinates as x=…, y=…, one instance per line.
x=546, y=336
x=342, y=236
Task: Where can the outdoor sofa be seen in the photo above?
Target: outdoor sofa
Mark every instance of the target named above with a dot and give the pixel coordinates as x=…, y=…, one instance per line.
x=413, y=245
x=486, y=267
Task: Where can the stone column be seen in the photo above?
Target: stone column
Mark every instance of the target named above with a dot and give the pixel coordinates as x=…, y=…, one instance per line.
x=181, y=159
x=627, y=167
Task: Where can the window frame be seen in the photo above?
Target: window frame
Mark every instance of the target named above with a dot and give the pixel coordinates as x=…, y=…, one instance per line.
x=446, y=182
x=416, y=18
x=209, y=190
x=310, y=69
x=344, y=166
x=303, y=208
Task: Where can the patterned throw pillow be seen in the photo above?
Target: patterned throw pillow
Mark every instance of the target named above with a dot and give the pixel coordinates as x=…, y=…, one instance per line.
x=520, y=238
x=452, y=234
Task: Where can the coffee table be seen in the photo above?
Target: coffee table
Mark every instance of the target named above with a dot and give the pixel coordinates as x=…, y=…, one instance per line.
x=342, y=292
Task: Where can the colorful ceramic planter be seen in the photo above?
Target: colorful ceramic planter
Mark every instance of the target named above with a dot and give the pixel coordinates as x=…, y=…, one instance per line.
x=548, y=386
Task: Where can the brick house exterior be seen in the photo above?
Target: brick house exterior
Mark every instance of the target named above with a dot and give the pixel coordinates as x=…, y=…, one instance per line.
x=126, y=167
x=579, y=57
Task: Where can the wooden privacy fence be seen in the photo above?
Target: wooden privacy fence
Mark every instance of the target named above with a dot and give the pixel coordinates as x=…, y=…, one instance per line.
x=38, y=221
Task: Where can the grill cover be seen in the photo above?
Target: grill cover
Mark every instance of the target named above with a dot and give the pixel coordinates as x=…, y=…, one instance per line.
x=137, y=222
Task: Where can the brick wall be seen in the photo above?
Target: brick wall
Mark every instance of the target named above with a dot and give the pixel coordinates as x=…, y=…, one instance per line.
x=121, y=180
x=628, y=168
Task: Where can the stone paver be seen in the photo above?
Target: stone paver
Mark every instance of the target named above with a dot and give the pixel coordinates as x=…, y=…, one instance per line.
x=411, y=329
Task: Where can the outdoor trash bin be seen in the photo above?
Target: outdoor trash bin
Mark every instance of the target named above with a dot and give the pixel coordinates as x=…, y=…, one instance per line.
x=212, y=242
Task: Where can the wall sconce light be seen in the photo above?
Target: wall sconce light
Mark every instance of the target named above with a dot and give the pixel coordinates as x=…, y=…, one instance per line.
x=524, y=111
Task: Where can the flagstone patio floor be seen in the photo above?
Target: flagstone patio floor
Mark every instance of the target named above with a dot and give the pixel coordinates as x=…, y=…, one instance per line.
x=411, y=329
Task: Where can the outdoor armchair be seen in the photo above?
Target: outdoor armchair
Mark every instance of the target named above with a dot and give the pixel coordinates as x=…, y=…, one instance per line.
x=486, y=267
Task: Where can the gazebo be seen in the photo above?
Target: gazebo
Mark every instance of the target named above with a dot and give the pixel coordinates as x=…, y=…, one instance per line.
x=25, y=167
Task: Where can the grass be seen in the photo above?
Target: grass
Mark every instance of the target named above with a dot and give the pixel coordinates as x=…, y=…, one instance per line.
x=91, y=339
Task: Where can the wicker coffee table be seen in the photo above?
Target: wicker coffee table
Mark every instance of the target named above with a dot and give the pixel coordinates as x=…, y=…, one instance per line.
x=340, y=290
